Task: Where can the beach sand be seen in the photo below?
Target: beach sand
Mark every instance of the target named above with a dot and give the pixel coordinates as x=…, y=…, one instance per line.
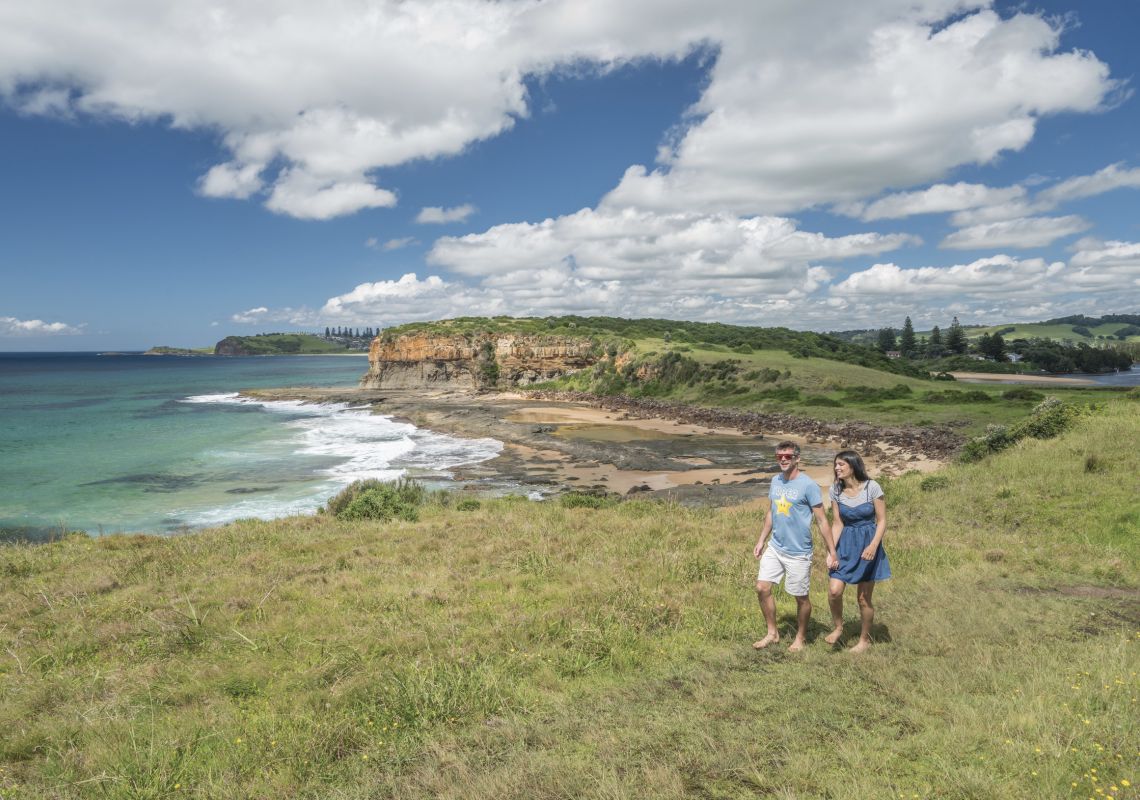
x=1038, y=380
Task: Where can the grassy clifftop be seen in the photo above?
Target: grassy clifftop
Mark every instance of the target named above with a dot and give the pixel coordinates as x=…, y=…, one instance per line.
x=533, y=650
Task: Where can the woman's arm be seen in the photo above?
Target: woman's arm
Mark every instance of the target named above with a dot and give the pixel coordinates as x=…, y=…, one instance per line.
x=880, y=529
x=836, y=521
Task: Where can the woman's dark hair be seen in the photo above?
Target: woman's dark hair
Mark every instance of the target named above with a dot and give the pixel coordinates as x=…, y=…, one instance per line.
x=855, y=461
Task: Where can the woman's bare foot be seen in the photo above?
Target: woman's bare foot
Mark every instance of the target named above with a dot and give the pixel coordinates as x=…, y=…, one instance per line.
x=797, y=645
x=861, y=646
x=771, y=638
x=835, y=635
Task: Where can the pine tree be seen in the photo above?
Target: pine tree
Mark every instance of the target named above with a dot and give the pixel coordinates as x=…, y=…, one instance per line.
x=886, y=339
x=934, y=347
x=907, y=341
x=956, y=338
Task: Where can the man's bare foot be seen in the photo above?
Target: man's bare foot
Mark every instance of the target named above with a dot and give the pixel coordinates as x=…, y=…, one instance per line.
x=771, y=638
x=835, y=635
x=797, y=645
x=860, y=646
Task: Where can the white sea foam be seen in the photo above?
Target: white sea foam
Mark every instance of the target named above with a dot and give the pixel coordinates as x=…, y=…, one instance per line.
x=339, y=444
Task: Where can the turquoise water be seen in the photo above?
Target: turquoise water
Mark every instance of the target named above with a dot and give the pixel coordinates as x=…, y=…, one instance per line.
x=108, y=443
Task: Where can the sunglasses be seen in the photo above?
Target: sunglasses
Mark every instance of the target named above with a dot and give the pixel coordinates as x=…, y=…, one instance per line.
x=786, y=456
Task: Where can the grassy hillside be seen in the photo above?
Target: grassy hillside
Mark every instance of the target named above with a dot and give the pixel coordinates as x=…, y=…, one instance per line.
x=271, y=344
x=775, y=380
x=525, y=650
x=1058, y=331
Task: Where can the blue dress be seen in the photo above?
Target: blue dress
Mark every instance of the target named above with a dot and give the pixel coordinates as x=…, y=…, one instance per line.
x=858, y=532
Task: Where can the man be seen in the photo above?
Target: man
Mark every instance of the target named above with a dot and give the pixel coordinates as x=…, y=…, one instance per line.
x=794, y=500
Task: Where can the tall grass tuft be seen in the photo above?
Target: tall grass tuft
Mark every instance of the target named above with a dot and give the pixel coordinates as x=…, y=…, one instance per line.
x=378, y=500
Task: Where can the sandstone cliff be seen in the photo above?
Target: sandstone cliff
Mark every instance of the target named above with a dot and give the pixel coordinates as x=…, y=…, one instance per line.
x=473, y=361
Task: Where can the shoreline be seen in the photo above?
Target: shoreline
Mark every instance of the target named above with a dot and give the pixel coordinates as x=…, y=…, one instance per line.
x=1009, y=377
x=695, y=456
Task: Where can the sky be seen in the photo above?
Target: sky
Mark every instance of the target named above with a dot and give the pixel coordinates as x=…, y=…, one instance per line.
x=171, y=174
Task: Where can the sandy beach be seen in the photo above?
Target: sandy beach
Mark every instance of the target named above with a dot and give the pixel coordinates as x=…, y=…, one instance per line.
x=1038, y=380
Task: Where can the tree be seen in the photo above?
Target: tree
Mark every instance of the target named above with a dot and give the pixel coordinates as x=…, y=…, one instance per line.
x=956, y=338
x=327, y=334
x=907, y=340
x=934, y=347
x=886, y=339
x=994, y=347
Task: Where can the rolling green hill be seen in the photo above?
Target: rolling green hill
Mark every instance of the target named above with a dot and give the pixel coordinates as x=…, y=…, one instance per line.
x=268, y=344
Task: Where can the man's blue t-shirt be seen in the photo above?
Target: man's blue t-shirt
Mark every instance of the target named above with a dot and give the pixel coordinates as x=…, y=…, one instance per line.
x=792, y=503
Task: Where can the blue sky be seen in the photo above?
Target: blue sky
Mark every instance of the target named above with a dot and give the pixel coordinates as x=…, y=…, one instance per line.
x=175, y=175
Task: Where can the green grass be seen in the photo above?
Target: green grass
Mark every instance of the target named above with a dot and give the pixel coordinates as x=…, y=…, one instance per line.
x=284, y=344
x=836, y=391
x=1058, y=331
x=526, y=650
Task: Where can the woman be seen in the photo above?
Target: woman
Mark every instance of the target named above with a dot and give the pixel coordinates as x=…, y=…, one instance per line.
x=858, y=525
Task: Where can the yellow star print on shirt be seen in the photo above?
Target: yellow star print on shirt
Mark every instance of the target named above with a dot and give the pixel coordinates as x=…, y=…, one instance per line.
x=784, y=506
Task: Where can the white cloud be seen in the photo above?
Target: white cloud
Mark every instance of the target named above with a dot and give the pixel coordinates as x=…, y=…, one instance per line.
x=1111, y=177
x=251, y=316
x=299, y=194
x=10, y=326
x=311, y=100
x=705, y=250
x=939, y=198
x=793, y=118
x=1016, y=233
x=998, y=275
x=437, y=215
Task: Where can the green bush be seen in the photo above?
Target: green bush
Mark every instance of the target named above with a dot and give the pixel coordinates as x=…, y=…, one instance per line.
x=869, y=394
x=374, y=499
x=956, y=396
x=821, y=400
x=1050, y=418
x=1022, y=393
x=467, y=504
x=584, y=500
x=932, y=483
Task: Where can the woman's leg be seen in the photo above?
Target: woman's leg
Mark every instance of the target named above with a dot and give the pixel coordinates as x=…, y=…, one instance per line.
x=866, y=615
x=835, y=600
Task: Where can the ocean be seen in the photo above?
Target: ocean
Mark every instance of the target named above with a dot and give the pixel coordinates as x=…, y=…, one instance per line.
x=161, y=444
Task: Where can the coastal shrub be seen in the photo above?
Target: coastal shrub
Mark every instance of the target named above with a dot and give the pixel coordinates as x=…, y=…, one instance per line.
x=766, y=375
x=584, y=500
x=467, y=504
x=869, y=394
x=821, y=400
x=932, y=483
x=957, y=396
x=1022, y=393
x=1050, y=418
x=786, y=394
x=374, y=499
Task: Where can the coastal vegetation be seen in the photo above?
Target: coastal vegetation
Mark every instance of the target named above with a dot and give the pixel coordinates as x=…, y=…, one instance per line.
x=272, y=344
x=591, y=649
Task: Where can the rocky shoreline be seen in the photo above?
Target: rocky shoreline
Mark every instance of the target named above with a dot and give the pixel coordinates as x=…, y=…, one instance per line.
x=575, y=441
x=939, y=442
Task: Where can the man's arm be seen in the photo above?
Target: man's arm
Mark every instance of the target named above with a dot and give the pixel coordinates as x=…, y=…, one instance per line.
x=825, y=529
x=765, y=529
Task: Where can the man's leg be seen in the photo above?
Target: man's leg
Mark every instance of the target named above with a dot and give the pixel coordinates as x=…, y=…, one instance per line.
x=866, y=615
x=768, y=608
x=803, y=615
x=771, y=572
x=835, y=600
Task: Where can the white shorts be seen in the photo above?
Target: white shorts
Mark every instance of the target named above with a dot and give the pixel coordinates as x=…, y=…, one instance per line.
x=794, y=570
